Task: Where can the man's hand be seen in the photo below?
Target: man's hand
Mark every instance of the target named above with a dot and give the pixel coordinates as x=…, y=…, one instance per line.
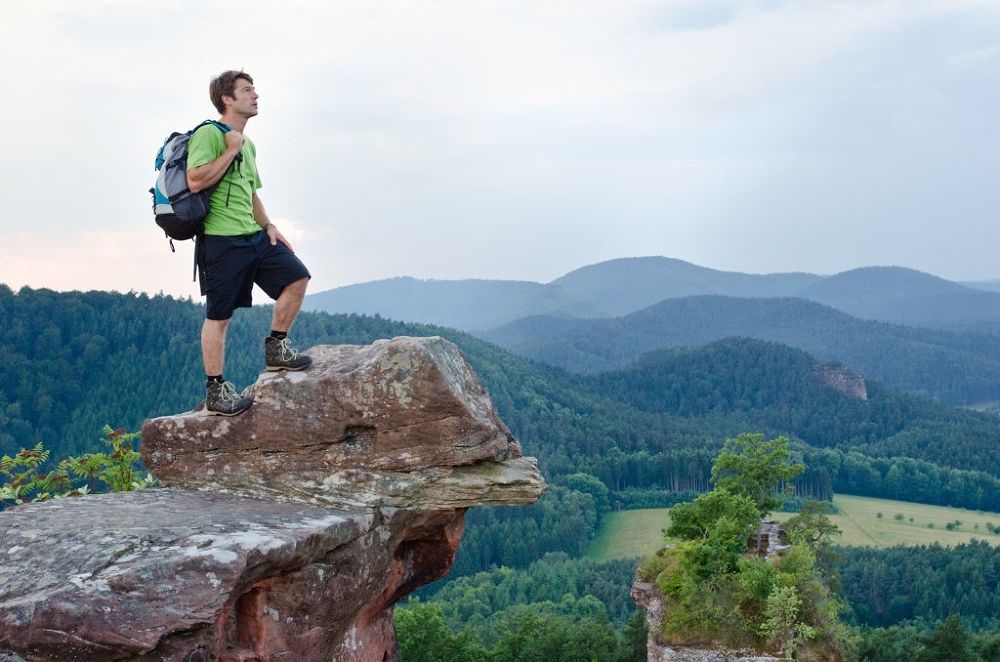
x=234, y=140
x=209, y=174
x=276, y=236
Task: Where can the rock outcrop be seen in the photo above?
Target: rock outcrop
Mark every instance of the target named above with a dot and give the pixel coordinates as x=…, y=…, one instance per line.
x=841, y=379
x=649, y=599
x=400, y=422
x=769, y=541
x=285, y=533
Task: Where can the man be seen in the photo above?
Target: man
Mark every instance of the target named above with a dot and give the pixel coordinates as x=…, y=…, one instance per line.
x=241, y=246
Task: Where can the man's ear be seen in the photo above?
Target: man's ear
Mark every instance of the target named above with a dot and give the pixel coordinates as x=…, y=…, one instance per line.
x=231, y=100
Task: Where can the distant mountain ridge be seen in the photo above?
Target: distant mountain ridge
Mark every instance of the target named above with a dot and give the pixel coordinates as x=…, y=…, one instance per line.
x=459, y=304
x=627, y=285
x=954, y=368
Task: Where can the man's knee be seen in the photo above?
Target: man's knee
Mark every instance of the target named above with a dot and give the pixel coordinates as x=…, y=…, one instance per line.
x=296, y=287
x=215, y=328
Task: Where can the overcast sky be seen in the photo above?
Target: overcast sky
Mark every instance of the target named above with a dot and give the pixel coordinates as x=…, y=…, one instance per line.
x=514, y=140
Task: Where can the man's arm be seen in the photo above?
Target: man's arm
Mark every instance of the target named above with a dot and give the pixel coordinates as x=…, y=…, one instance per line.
x=263, y=221
x=207, y=175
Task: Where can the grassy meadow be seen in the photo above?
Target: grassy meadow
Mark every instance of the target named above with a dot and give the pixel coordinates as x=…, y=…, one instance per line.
x=630, y=533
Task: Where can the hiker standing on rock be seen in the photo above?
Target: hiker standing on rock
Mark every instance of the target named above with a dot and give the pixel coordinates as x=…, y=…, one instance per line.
x=240, y=245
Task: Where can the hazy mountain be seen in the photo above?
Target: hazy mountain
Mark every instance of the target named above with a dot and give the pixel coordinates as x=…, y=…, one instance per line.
x=606, y=289
x=951, y=367
x=623, y=286
x=986, y=285
x=629, y=284
x=460, y=304
x=906, y=296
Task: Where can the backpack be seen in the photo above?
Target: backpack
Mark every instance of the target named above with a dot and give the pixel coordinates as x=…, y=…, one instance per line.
x=178, y=211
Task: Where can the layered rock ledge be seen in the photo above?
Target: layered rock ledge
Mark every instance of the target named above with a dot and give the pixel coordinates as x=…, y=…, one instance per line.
x=286, y=533
x=401, y=422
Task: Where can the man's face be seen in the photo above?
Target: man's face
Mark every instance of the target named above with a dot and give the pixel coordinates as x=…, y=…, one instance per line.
x=244, y=98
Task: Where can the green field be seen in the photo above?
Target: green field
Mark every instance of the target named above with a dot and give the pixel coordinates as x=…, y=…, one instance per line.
x=630, y=533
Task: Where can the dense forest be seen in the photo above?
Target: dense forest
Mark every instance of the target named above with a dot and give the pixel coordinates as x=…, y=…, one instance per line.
x=641, y=436
x=953, y=367
x=74, y=362
x=927, y=583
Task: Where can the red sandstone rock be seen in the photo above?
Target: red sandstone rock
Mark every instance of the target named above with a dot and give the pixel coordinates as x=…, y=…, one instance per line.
x=164, y=574
x=400, y=431
x=351, y=431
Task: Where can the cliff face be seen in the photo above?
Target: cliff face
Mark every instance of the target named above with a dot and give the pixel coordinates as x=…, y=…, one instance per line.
x=841, y=379
x=769, y=542
x=648, y=598
x=285, y=533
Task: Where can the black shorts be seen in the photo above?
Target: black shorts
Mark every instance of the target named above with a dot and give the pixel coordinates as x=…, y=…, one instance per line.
x=233, y=264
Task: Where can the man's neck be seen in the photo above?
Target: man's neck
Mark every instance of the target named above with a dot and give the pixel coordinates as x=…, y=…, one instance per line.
x=234, y=121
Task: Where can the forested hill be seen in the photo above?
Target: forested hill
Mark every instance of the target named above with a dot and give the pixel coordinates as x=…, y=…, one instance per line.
x=626, y=285
x=772, y=387
x=73, y=361
x=954, y=368
x=907, y=296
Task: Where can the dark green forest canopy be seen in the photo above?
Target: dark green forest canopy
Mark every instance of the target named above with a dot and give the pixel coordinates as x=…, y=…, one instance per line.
x=927, y=582
x=74, y=361
x=953, y=367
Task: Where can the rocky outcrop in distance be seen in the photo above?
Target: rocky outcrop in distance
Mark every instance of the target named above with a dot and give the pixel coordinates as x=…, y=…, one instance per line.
x=648, y=598
x=769, y=542
x=287, y=532
x=841, y=379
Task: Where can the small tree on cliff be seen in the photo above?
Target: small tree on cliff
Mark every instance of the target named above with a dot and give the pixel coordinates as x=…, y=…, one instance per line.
x=752, y=467
x=717, y=525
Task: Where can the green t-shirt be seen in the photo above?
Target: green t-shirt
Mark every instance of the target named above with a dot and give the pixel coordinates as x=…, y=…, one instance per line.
x=232, y=202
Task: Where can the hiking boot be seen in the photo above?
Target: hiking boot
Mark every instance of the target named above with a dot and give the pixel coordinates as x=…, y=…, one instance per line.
x=280, y=355
x=221, y=399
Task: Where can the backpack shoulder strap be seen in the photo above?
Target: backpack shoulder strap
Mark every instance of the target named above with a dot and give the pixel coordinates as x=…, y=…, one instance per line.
x=221, y=126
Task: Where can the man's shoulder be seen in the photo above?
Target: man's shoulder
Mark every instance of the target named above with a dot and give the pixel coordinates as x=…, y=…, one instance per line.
x=205, y=144
x=208, y=132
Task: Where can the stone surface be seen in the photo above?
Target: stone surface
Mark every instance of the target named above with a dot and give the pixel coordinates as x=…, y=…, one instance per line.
x=769, y=541
x=648, y=598
x=841, y=379
x=401, y=422
x=181, y=575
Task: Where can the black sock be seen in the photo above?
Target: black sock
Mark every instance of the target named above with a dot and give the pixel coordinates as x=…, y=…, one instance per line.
x=213, y=378
x=279, y=335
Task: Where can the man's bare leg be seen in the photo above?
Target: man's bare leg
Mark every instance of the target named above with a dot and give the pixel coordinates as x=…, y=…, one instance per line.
x=213, y=345
x=278, y=351
x=221, y=399
x=288, y=304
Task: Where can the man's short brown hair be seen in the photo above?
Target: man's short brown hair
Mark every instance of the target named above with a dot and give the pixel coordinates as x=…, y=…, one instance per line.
x=225, y=84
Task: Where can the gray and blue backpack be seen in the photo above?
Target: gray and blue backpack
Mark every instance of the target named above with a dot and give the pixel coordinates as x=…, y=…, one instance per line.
x=178, y=211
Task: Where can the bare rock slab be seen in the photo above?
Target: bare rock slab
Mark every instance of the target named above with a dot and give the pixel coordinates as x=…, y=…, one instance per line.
x=164, y=574
x=401, y=422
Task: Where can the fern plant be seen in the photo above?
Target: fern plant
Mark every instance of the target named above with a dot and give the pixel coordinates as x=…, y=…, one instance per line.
x=26, y=479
